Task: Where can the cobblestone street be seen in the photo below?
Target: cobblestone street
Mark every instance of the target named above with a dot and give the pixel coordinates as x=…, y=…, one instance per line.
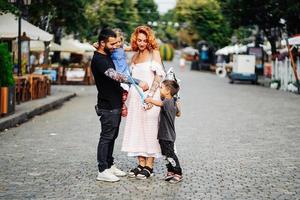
x=234, y=141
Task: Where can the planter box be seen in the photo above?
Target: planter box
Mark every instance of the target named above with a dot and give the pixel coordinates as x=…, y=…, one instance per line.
x=8, y=100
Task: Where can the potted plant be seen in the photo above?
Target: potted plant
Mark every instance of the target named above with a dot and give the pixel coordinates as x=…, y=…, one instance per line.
x=6, y=81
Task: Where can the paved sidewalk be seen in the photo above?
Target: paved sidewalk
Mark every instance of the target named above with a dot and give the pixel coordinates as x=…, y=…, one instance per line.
x=28, y=110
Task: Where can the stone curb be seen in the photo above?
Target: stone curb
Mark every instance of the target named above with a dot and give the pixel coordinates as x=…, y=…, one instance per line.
x=25, y=116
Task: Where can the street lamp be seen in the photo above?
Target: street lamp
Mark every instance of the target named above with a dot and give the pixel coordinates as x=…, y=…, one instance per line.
x=19, y=4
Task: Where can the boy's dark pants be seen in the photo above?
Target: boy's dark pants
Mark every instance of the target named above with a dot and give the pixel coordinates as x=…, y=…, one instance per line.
x=110, y=122
x=167, y=149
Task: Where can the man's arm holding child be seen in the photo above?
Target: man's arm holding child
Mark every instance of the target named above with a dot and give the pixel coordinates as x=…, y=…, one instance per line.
x=105, y=68
x=123, y=78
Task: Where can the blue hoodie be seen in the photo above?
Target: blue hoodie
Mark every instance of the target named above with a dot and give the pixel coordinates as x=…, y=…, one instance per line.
x=119, y=58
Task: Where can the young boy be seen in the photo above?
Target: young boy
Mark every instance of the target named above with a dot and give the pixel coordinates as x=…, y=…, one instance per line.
x=166, y=132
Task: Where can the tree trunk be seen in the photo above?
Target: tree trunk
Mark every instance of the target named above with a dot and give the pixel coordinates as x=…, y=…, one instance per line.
x=272, y=40
x=57, y=39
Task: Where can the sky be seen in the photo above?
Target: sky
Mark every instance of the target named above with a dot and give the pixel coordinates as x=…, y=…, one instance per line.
x=165, y=5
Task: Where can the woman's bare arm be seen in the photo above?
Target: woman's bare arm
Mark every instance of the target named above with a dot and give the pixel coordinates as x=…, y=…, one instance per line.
x=157, y=78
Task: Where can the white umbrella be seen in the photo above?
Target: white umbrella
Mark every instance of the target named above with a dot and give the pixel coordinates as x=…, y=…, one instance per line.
x=74, y=46
x=9, y=29
x=40, y=46
x=190, y=51
x=223, y=51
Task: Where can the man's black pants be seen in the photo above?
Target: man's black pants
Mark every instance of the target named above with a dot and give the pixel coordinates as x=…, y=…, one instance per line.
x=167, y=149
x=110, y=122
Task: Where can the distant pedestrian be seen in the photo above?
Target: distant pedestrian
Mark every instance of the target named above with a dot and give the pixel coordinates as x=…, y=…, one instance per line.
x=109, y=103
x=166, y=133
x=182, y=63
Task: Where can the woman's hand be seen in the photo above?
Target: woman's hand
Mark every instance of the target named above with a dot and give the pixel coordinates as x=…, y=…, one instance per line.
x=148, y=106
x=148, y=100
x=144, y=85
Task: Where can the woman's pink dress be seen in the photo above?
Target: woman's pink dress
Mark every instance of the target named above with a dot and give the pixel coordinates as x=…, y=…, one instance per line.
x=141, y=127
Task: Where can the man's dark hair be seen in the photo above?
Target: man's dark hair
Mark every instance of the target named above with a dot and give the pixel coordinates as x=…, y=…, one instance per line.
x=105, y=34
x=172, y=86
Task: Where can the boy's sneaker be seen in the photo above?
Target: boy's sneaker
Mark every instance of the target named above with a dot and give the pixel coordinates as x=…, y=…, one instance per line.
x=115, y=171
x=106, y=175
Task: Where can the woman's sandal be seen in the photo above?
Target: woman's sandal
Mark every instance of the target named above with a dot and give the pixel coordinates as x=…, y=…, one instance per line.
x=145, y=173
x=176, y=178
x=133, y=172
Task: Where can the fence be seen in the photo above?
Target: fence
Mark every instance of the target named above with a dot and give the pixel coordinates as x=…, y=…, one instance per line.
x=282, y=72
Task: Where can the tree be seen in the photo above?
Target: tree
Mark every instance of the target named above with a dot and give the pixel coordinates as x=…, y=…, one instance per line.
x=167, y=29
x=291, y=15
x=113, y=13
x=5, y=6
x=267, y=15
x=58, y=17
x=204, y=18
x=55, y=16
x=147, y=11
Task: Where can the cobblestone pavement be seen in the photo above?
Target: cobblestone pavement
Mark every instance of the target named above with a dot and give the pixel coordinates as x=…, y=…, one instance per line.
x=234, y=142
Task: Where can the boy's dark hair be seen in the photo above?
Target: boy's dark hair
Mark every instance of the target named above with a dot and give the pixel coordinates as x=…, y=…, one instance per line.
x=105, y=34
x=172, y=86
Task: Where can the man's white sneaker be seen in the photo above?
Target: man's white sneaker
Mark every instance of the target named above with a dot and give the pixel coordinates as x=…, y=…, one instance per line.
x=106, y=175
x=115, y=171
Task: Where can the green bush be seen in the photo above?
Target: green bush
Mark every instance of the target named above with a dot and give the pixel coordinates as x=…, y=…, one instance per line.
x=6, y=67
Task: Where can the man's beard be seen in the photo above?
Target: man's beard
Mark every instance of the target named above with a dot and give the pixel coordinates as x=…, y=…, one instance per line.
x=107, y=50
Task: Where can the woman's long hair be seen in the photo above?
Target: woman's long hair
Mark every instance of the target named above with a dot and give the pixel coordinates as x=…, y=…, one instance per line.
x=146, y=30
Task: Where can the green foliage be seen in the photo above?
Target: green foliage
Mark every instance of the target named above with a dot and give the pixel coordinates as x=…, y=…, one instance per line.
x=292, y=16
x=204, y=17
x=6, y=67
x=54, y=15
x=243, y=33
x=264, y=14
x=166, y=29
x=113, y=13
x=147, y=11
x=5, y=6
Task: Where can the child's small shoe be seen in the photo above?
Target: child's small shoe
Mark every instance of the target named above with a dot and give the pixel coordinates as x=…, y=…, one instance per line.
x=176, y=178
x=169, y=176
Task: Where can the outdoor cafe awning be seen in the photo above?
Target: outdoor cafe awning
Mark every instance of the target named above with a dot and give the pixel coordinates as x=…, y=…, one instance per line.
x=40, y=46
x=292, y=41
x=75, y=46
x=240, y=49
x=67, y=45
x=9, y=29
